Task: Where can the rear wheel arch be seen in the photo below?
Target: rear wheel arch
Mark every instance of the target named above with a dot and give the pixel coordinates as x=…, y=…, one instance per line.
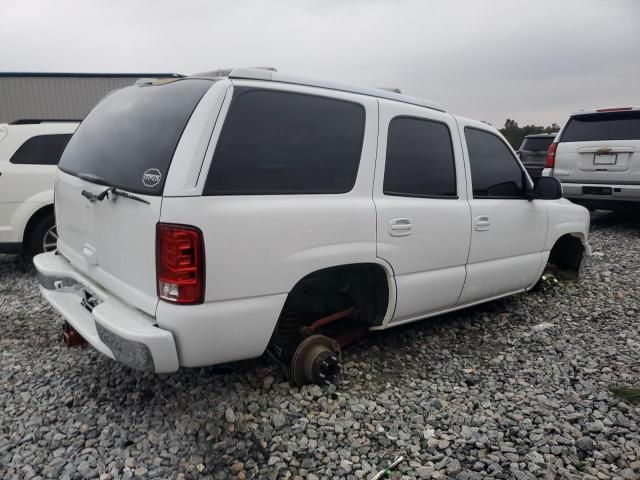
x=36, y=219
x=374, y=278
x=365, y=287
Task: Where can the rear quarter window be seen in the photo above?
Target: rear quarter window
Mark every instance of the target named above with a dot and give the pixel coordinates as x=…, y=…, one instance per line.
x=129, y=138
x=603, y=126
x=276, y=142
x=41, y=150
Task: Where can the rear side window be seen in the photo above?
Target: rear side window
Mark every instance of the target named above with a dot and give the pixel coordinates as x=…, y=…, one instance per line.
x=536, y=144
x=129, y=138
x=419, y=159
x=495, y=172
x=603, y=126
x=41, y=150
x=287, y=143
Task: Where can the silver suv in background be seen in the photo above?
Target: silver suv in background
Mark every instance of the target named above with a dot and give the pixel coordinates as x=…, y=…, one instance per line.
x=533, y=151
x=597, y=158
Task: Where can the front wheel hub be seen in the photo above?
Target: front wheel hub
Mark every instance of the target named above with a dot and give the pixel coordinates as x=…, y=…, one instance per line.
x=316, y=360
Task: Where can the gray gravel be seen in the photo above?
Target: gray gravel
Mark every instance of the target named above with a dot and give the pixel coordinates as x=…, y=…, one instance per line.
x=512, y=389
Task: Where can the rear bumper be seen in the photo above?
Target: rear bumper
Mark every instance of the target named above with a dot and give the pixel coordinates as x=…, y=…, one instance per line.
x=111, y=327
x=611, y=192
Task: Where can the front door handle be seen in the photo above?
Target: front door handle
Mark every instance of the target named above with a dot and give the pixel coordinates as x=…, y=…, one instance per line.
x=400, y=227
x=481, y=223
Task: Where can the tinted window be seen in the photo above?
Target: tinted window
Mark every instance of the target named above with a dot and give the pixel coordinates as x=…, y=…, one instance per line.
x=283, y=143
x=419, y=159
x=494, y=170
x=41, y=150
x=133, y=133
x=603, y=126
x=536, y=144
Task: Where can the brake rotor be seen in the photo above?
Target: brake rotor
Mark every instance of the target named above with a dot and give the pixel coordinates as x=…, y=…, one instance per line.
x=316, y=360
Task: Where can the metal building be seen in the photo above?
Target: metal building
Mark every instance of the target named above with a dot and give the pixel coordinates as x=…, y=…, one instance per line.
x=59, y=96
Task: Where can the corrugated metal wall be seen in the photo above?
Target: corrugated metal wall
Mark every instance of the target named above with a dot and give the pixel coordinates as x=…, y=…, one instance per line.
x=54, y=97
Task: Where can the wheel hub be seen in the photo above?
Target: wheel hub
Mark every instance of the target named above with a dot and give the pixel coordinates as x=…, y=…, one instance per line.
x=316, y=360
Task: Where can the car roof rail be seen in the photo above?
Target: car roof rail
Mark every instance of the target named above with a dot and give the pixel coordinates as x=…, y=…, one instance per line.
x=273, y=75
x=34, y=121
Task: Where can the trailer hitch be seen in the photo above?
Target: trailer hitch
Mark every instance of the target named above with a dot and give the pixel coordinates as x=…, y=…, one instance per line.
x=71, y=337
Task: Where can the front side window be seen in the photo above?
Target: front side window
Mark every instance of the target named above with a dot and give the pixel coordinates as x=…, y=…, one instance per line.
x=41, y=150
x=276, y=142
x=494, y=170
x=420, y=159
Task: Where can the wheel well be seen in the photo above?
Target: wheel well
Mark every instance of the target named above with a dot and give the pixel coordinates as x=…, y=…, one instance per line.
x=567, y=255
x=358, y=294
x=33, y=221
x=364, y=284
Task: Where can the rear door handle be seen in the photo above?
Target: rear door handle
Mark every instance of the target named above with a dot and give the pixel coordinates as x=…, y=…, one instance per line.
x=400, y=227
x=481, y=223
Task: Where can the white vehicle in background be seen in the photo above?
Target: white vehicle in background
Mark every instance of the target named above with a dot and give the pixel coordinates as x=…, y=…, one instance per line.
x=29, y=154
x=596, y=156
x=215, y=218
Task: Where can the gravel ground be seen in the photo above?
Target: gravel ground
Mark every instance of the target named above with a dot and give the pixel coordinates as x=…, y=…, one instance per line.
x=516, y=388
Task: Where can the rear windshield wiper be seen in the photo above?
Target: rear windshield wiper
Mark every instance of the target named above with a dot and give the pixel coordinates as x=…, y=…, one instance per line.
x=92, y=197
x=89, y=177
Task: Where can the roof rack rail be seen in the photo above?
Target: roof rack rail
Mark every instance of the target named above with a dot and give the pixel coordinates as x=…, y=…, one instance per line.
x=226, y=72
x=34, y=121
x=391, y=89
x=273, y=75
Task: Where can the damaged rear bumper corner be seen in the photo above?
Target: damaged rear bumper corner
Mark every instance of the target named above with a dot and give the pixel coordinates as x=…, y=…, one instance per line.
x=110, y=326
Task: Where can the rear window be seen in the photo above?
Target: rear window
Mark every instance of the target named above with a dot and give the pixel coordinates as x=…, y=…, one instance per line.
x=129, y=138
x=536, y=144
x=287, y=143
x=603, y=126
x=41, y=150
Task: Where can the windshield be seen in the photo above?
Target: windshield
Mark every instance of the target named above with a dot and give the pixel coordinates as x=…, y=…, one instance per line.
x=603, y=126
x=129, y=138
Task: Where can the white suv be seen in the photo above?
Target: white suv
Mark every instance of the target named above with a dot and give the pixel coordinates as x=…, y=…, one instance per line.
x=596, y=156
x=205, y=220
x=29, y=153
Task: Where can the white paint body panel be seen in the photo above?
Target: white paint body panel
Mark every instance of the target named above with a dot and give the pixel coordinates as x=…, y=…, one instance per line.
x=434, y=251
x=112, y=242
x=258, y=247
x=24, y=189
x=506, y=251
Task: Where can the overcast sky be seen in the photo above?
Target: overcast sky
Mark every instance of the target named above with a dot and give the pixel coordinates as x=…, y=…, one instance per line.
x=535, y=61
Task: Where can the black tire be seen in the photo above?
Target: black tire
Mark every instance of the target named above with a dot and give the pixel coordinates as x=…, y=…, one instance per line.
x=34, y=244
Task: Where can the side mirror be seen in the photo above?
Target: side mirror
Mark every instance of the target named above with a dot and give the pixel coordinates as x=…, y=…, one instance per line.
x=546, y=188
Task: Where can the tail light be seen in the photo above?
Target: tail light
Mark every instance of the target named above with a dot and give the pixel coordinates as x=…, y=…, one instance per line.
x=180, y=263
x=550, y=160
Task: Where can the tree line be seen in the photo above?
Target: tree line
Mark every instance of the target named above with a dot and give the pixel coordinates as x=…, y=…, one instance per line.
x=515, y=134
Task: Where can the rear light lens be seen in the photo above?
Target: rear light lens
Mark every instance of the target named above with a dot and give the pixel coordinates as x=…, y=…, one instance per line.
x=550, y=160
x=180, y=263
